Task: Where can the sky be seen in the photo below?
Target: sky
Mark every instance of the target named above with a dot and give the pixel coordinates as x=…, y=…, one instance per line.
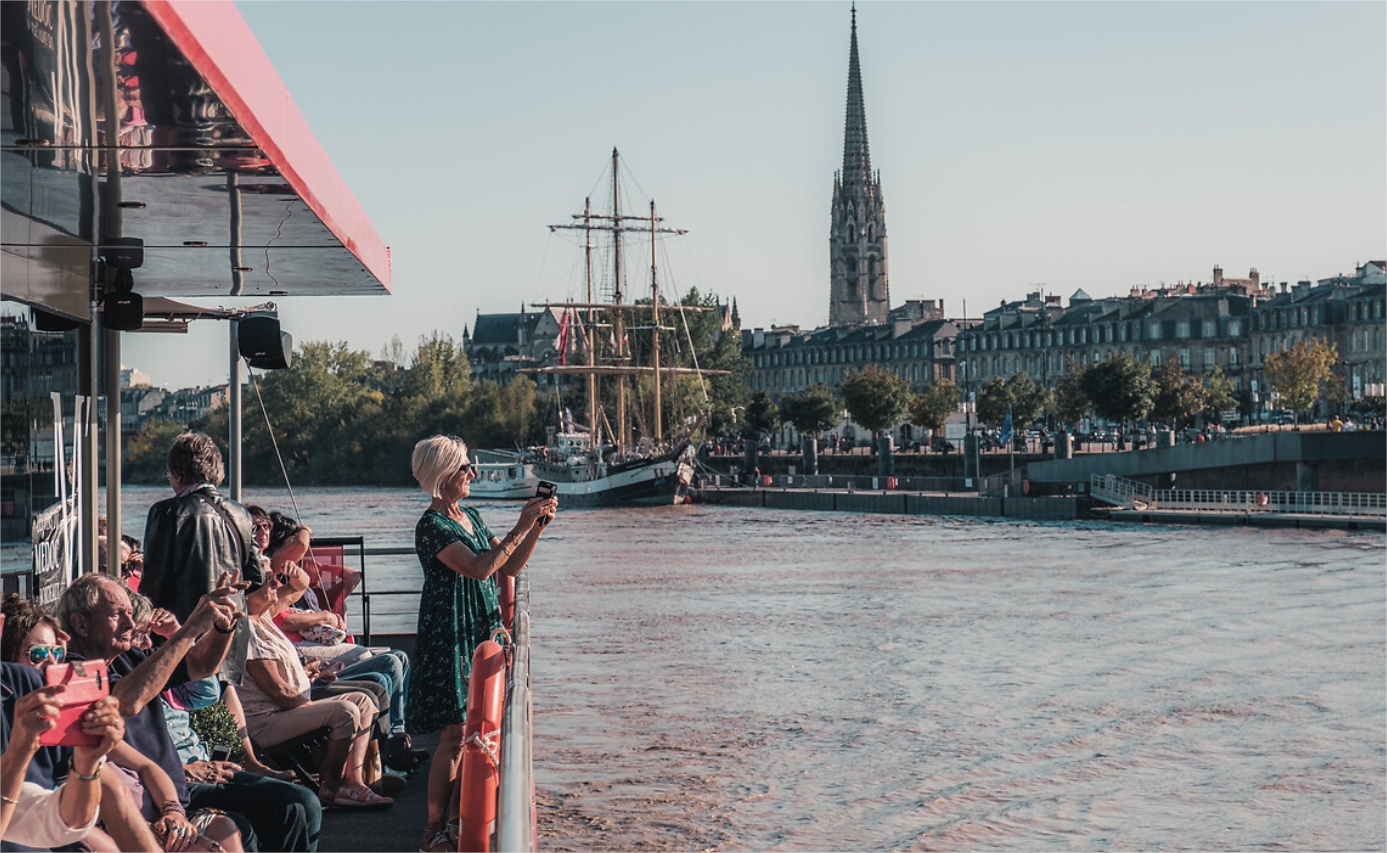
x=1021, y=146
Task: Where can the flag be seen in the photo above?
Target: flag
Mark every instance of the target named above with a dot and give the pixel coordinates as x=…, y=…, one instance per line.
x=563, y=338
x=1006, y=428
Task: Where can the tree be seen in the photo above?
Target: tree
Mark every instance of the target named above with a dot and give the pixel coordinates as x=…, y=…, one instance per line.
x=762, y=416
x=1120, y=388
x=1018, y=395
x=1295, y=374
x=933, y=405
x=1071, y=404
x=813, y=411
x=875, y=398
x=1177, y=396
x=505, y=416
x=1218, y=392
x=146, y=455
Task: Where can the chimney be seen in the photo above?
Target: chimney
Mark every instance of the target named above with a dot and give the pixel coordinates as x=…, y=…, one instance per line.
x=1283, y=287
x=1218, y=276
x=1256, y=278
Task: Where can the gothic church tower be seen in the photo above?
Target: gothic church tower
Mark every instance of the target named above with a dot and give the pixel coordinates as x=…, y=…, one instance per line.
x=857, y=238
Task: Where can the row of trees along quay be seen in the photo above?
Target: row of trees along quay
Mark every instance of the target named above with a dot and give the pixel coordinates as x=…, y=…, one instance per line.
x=341, y=417
x=1120, y=390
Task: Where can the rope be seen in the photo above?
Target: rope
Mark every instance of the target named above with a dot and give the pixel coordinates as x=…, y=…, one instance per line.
x=487, y=745
x=269, y=428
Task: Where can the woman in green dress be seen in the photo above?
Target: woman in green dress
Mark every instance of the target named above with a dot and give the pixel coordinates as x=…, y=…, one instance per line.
x=457, y=607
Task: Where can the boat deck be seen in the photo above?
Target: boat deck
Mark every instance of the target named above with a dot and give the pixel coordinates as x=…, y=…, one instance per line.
x=398, y=828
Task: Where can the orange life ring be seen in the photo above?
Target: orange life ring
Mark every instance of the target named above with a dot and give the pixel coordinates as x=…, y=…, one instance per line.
x=1261, y=499
x=481, y=747
x=505, y=597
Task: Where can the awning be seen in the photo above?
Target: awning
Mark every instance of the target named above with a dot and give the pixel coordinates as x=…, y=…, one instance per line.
x=219, y=175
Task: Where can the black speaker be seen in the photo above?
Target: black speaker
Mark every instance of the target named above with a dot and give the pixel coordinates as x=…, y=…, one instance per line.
x=263, y=344
x=122, y=312
x=47, y=322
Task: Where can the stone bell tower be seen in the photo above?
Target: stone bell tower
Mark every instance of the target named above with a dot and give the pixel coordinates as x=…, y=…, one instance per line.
x=859, y=292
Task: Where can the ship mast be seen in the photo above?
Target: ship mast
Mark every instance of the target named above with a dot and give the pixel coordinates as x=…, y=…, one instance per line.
x=590, y=333
x=616, y=223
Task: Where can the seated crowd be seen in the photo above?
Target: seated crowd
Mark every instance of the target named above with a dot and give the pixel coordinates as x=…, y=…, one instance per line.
x=150, y=782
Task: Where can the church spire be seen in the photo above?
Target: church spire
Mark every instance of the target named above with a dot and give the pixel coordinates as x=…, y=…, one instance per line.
x=859, y=290
x=857, y=160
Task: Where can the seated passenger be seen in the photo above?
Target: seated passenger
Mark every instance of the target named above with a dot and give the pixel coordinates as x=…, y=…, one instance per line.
x=96, y=611
x=276, y=699
x=33, y=639
x=285, y=542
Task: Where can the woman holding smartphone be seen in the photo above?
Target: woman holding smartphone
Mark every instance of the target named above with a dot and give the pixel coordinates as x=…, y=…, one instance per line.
x=458, y=609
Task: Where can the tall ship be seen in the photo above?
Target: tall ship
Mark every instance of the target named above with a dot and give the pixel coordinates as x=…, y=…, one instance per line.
x=623, y=454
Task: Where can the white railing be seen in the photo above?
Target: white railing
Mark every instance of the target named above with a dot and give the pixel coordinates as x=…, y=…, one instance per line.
x=1120, y=491
x=515, y=802
x=1298, y=503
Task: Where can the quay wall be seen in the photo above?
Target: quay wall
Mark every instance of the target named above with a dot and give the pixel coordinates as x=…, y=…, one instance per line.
x=1066, y=508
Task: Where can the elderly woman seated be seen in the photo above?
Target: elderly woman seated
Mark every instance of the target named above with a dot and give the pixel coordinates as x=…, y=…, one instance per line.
x=278, y=707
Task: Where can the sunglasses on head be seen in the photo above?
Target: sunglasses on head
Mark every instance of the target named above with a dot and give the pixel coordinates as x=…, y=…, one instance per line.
x=38, y=653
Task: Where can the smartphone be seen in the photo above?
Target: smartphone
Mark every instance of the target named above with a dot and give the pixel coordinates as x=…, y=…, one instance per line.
x=545, y=489
x=221, y=752
x=86, y=682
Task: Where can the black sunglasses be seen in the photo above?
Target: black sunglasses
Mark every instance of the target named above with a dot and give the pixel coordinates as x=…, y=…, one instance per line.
x=465, y=467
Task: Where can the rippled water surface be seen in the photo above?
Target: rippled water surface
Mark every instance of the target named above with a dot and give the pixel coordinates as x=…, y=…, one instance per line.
x=722, y=679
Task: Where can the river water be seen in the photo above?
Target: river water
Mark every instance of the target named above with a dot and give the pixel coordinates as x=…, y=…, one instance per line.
x=713, y=678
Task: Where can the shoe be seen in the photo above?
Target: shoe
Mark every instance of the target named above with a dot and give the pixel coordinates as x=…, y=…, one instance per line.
x=360, y=797
x=399, y=752
x=419, y=758
x=390, y=784
x=436, y=841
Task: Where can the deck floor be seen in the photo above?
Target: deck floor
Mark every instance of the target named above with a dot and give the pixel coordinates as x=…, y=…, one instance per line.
x=400, y=827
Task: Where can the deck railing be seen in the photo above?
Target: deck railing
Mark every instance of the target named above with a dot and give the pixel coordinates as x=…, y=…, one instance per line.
x=515, y=803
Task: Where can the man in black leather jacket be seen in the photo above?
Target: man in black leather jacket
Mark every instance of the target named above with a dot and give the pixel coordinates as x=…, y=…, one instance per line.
x=194, y=536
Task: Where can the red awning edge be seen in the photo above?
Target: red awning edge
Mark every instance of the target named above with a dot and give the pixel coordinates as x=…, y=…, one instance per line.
x=219, y=43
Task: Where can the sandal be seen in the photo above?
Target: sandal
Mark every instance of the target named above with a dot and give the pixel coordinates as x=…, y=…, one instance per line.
x=360, y=797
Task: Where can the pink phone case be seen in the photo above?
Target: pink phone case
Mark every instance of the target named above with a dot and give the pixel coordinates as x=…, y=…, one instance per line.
x=85, y=682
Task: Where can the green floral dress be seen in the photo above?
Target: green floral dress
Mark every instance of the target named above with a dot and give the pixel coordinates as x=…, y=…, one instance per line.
x=456, y=614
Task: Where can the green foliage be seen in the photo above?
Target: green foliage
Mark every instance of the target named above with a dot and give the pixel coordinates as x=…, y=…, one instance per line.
x=1295, y=374
x=216, y=726
x=147, y=451
x=813, y=411
x=1071, y=404
x=1177, y=396
x=762, y=416
x=1218, y=391
x=1120, y=388
x=875, y=398
x=933, y=405
x=1019, y=395
x=506, y=416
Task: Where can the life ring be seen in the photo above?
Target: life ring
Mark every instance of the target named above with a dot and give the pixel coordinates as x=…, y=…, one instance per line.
x=1025, y=487
x=1261, y=499
x=505, y=597
x=481, y=747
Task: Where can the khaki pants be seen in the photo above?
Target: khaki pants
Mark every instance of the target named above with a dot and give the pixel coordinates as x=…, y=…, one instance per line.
x=346, y=715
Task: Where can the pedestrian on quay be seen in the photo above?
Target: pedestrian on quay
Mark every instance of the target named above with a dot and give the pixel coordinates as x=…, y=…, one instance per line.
x=458, y=608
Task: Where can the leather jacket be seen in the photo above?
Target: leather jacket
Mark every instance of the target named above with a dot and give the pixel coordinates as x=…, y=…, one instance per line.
x=188, y=543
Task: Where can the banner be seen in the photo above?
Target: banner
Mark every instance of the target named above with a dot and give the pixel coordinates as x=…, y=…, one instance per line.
x=57, y=539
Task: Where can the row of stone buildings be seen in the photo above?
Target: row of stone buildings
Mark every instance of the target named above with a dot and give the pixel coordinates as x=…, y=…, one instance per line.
x=1229, y=323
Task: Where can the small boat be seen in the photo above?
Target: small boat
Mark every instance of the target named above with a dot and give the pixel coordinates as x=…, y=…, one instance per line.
x=503, y=476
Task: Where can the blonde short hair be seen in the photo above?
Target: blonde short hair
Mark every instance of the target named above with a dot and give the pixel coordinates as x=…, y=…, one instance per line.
x=436, y=459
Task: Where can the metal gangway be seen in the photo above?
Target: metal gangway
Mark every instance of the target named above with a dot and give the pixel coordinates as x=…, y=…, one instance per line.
x=1130, y=494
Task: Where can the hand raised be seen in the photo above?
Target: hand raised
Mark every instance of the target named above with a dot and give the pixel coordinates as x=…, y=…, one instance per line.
x=102, y=720
x=35, y=714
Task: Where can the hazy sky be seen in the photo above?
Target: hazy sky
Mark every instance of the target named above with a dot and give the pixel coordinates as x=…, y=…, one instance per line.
x=1094, y=145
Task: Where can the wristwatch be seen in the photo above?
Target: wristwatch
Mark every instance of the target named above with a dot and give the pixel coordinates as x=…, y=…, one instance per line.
x=95, y=775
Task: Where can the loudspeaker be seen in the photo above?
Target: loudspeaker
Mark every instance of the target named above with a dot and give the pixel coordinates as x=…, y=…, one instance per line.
x=47, y=322
x=122, y=312
x=123, y=253
x=263, y=344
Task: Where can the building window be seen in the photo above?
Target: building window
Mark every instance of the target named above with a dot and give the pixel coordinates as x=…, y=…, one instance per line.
x=1234, y=328
x=1232, y=356
x=1155, y=356
x=1210, y=328
x=1210, y=358
x=1182, y=329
